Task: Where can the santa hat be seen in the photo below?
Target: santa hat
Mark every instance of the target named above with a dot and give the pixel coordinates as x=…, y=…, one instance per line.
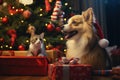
x=102, y=42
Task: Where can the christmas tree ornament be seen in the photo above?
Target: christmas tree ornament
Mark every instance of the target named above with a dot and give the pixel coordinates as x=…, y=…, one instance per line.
x=50, y=27
x=1, y=1
x=20, y=10
x=47, y=5
x=4, y=19
x=97, y=28
x=1, y=39
x=58, y=29
x=56, y=10
x=21, y=47
x=12, y=34
x=26, y=2
x=26, y=14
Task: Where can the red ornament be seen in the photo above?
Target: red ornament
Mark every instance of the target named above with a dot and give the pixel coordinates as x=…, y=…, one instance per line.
x=26, y=14
x=12, y=11
x=4, y=20
x=50, y=27
x=47, y=5
x=21, y=47
x=20, y=10
x=58, y=29
x=1, y=39
x=12, y=34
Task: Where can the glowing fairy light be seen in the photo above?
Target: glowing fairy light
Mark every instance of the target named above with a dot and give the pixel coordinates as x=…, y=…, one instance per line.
x=66, y=4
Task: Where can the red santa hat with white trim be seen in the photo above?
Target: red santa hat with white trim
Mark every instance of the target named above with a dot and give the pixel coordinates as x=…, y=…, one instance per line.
x=102, y=42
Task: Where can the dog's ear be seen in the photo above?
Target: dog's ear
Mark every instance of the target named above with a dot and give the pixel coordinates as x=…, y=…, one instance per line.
x=88, y=15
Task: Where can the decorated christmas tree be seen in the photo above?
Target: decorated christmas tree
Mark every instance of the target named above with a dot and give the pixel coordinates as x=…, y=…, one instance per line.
x=45, y=15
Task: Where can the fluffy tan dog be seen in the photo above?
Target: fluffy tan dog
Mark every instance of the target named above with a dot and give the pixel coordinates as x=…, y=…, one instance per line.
x=82, y=41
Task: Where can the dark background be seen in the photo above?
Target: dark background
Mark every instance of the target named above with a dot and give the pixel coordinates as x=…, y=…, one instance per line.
x=113, y=21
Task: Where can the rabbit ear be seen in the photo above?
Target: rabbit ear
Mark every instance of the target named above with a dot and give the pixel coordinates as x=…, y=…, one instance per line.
x=42, y=35
x=88, y=15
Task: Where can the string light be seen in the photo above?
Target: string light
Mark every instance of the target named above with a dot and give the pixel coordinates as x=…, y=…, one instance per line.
x=65, y=50
x=70, y=8
x=22, y=21
x=6, y=46
x=27, y=41
x=41, y=14
x=65, y=19
x=46, y=24
x=66, y=4
x=44, y=39
x=10, y=47
x=41, y=9
x=61, y=38
x=1, y=47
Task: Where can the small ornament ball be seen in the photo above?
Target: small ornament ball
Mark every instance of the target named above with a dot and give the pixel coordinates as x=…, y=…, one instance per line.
x=21, y=47
x=50, y=27
x=4, y=20
x=58, y=29
x=26, y=14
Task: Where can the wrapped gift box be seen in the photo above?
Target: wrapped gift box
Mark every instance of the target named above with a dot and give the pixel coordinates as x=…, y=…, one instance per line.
x=115, y=57
x=51, y=54
x=22, y=65
x=69, y=72
x=116, y=73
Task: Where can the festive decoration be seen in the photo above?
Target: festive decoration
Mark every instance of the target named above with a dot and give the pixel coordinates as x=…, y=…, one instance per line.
x=20, y=13
x=21, y=47
x=102, y=42
x=50, y=27
x=1, y=39
x=59, y=71
x=58, y=29
x=47, y=5
x=26, y=2
x=12, y=34
x=4, y=20
x=57, y=11
x=26, y=14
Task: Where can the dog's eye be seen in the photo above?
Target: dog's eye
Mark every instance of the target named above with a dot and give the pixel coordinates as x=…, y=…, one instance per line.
x=76, y=23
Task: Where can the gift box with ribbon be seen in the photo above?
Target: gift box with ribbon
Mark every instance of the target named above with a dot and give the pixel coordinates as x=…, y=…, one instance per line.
x=69, y=72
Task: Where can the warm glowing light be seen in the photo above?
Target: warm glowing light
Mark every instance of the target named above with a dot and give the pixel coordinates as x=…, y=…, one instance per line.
x=1, y=46
x=65, y=19
x=11, y=13
x=41, y=9
x=10, y=47
x=6, y=45
x=27, y=41
x=22, y=21
x=61, y=38
x=47, y=47
x=65, y=50
x=66, y=4
x=46, y=24
x=13, y=7
x=44, y=39
x=41, y=14
x=70, y=7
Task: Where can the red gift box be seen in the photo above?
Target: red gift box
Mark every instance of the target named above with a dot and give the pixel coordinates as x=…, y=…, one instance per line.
x=22, y=65
x=69, y=72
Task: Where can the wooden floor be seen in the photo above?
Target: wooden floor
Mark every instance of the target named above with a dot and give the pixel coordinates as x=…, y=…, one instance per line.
x=23, y=78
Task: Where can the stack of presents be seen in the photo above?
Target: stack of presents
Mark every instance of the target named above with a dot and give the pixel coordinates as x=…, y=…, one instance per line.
x=17, y=63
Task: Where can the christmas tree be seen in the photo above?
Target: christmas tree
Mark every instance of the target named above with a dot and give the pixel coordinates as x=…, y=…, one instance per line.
x=45, y=15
